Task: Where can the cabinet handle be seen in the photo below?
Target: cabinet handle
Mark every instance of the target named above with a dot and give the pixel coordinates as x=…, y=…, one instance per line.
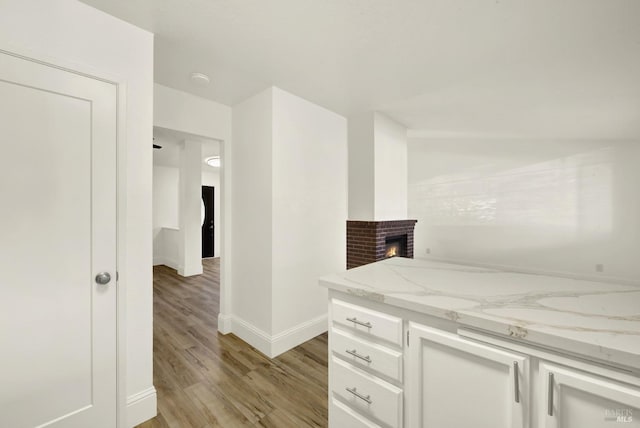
x=550, y=395
x=360, y=396
x=357, y=321
x=355, y=354
x=516, y=382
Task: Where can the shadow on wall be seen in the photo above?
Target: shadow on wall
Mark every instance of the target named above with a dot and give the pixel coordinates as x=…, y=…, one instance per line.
x=564, y=207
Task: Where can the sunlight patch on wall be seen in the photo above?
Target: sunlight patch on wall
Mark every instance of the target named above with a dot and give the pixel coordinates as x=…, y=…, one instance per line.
x=572, y=195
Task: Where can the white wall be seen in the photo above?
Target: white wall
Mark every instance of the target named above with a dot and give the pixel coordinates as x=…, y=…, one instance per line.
x=189, y=207
x=165, y=197
x=309, y=208
x=82, y=38
x=390, y=169
x=554, y=206
x=290, y=208
x=252, y=212
x=361, y=166
x=165, y=213
x=377, y=168
x=188, y=113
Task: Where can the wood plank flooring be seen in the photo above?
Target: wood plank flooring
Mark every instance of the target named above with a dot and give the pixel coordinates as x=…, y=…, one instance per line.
x=206, y=379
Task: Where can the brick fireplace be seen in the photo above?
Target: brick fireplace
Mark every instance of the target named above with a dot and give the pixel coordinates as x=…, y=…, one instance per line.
x=370, y=241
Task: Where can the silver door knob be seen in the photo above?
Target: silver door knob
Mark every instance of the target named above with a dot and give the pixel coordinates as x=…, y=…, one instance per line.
x=103, y=278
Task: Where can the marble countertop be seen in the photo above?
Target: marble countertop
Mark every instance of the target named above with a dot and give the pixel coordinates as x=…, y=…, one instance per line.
x=596, y=319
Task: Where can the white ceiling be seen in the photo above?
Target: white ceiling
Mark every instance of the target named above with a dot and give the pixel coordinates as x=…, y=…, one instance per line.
x=170, y=140
x=531, y=68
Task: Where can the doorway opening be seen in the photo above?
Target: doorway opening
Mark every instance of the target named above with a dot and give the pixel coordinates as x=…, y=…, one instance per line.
x=186, y=189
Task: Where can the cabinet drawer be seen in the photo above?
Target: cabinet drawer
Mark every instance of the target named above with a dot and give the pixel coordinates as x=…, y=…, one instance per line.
x=370, y=395
x=368, y=322
x=341, y=416
x=367, y=354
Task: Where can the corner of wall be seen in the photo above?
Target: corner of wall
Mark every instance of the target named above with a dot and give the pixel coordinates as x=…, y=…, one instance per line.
x=141, y=406
x=297, y=335
x=224, y=323
x=273, y=345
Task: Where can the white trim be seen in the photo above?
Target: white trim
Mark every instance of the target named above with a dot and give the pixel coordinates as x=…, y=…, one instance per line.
x=160, y=260
x=273, y=345
x=289, y=339
x=226, y=284
x=141, y=406
x=251, y=334
x=195, y=269
x=121, y=260
x=224, y=323
x=83, y=69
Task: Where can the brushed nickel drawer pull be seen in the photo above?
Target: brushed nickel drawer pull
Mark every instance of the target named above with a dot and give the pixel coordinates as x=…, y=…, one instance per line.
x=550, y=395
x=360, y=396
x=516, y=382
x=357, y=321
x=355, y=354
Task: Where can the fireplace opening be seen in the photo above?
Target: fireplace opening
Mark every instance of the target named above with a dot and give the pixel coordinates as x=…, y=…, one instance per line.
x=370, y=241
x=395, y=246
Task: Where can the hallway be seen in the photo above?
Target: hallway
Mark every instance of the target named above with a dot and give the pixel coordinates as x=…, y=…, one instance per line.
x=205, y=379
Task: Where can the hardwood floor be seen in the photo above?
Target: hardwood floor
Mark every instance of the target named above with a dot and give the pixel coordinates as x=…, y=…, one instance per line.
x=206, y=379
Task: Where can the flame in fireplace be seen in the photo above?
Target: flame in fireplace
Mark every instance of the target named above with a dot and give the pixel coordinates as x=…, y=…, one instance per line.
x=392, y=251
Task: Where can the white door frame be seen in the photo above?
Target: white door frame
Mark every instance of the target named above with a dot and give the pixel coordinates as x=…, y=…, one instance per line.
x=121, y=187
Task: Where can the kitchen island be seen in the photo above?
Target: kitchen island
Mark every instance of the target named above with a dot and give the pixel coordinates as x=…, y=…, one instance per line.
x=421, y=343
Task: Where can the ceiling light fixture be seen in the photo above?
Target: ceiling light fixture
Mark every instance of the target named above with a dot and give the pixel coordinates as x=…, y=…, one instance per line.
x=200, y=79
x=213, y=161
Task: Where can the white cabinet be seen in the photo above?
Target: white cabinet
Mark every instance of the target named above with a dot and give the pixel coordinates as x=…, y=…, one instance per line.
x=342, y=415
x=365, y=367
x=446, y=376
x=369, y=323
x=454, y=382
x=365, y=354
x=575, y=399
x=367, y=394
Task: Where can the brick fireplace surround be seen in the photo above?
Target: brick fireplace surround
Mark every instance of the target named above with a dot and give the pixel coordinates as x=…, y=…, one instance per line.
x=366, y=239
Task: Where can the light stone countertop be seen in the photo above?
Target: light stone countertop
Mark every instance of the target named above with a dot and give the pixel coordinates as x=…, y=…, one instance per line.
x=595, y=319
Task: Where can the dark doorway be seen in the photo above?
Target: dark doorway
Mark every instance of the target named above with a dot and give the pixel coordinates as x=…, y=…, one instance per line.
x=208, y=228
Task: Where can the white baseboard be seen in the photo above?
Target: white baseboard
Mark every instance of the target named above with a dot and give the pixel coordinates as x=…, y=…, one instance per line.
x=190, y=270
x=141, y=406
x=290, y=338
x=224, y=323
x=273, y=345
x=159, y=260
x=252, y=335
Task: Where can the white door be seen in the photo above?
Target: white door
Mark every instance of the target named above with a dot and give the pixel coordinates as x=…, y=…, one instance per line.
x=57, y=232
x=573, y=399
x=458, y=383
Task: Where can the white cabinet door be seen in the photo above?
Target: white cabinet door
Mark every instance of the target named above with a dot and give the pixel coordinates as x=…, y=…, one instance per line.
x=58, y=231
x=573, y=399
x=454, y=382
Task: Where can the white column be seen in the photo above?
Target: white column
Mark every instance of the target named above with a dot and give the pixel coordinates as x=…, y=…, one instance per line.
x=391, y=179
x=361, y=146
x=190, y=195
x=378, y=178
